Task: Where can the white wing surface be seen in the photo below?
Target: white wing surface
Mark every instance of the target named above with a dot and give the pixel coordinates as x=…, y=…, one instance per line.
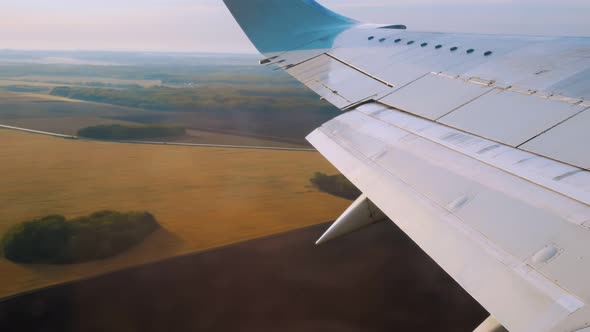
x=477, y=146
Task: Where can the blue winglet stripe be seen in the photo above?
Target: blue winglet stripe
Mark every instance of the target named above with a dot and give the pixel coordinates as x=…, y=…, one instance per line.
x=284, y=25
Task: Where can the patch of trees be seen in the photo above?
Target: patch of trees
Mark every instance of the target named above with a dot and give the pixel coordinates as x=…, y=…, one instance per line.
x=56, y=240
x=123, y=132
x=206, y=98
x=337, y=185
x=109, y=85
x=23, y=88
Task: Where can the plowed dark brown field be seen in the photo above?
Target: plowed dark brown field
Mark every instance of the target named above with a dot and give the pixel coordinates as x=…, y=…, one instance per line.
x=374, y=280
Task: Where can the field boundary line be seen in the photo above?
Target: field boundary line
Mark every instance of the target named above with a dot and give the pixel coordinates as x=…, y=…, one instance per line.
x=225, y=146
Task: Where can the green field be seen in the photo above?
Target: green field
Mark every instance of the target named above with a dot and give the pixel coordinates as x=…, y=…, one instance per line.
x=216, y=94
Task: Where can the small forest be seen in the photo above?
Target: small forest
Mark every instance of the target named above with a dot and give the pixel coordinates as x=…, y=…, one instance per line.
x=337, y=185
x=55, y=240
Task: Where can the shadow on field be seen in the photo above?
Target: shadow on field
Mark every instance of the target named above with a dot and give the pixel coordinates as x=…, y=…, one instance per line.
x=374, y=280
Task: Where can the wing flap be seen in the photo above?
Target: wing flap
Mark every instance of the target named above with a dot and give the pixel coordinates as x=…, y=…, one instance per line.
x=329, y=76
x=568, y=141
x=483, y=231
x=445, y=94
x=510, y=117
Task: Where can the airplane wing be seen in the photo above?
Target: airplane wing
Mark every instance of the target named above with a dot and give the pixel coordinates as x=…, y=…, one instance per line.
x=476, y=146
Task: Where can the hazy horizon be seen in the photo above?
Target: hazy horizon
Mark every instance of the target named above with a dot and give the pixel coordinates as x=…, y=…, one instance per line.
x=205, y=26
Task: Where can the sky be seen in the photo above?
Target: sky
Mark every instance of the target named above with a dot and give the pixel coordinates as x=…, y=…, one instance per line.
x=207, y=26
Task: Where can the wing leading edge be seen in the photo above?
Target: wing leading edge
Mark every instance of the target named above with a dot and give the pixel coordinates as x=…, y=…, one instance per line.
x=474, y=145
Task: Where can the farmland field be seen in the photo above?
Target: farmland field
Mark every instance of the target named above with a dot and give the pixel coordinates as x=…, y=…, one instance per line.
x=67, y=116
x=225, y=95
x=87, y=81
x=203, y=197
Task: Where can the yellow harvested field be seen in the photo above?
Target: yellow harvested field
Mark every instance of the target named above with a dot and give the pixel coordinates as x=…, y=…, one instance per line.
x=19, y=97
x=203, y=197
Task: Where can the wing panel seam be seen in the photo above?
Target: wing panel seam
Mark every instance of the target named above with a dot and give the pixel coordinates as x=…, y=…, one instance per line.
x=360, y=70
x=552, y=127
x=575, y=196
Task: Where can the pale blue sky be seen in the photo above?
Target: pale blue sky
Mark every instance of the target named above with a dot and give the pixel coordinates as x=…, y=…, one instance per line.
x=206, y=26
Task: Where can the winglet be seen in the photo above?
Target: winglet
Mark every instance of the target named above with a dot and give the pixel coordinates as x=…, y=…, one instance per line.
x=284, y=25
x=360, y=214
